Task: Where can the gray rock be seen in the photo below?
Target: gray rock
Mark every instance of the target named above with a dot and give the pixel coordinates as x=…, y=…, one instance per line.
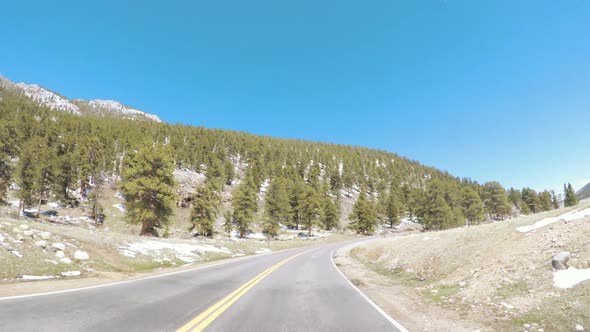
x=59, y=246
x=559, y=261
x=65, y=260
x=81, y=255
x=41, y=243
x=16, y=230
x=24, y=227
x=19, y=237
x=45, y=235
x=60, y=254
x=28, y=233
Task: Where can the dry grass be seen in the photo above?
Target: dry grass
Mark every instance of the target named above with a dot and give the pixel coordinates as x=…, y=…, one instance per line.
x=506, y=276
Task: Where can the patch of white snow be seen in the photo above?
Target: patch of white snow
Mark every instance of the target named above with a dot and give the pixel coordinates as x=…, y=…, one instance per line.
x=29, y=277
x=570, y=277
x=570, y=216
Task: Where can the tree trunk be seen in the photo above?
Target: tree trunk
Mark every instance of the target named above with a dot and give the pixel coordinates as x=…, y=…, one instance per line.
x=146, y=227
x=21, y=207
x=39, y=204
x=309, y=229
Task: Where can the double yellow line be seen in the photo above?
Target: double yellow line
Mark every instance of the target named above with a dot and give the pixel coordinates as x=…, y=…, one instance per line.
x=208, y=316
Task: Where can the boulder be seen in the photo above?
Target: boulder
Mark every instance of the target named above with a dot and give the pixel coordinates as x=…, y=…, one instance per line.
x=41, y=243
x=65, y=260
x=28, y=233
x=16, y=230
x=24, y=227
x=59, y=246
x=45, y=235
x=559, y=261
x=60, y=254
x=19, y=237
x=81, y=255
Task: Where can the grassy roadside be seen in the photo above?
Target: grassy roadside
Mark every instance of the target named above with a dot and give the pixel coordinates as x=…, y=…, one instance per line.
x=490, y=275
x=37, y=249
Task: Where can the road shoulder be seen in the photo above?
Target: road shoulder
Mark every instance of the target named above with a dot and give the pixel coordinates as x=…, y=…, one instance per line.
x=400, y=302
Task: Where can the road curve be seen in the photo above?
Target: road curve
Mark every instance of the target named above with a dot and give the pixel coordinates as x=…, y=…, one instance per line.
x=293, y=290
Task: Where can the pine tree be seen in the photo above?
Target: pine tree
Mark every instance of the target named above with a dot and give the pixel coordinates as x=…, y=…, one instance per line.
x=296, y=192
x=363, y=216
x=570, y=195
x=495, y=200
x=524, y=208
x=148, y=186
x=277, y=205
x=515, y=197
x=26, y=171
x=313, y=176
x=8, y=148
x=473, y=206
x=554, y=200
x=204, y=211
x=310, y=208
x=97, y=211
x=545, y=202
x=270, y=227
x=229, y=172
x=228, y=223
x=245, y=204
x=393, y=209
x=434, y=211
x=531, y=199
x=331, y=215
x=34, y=172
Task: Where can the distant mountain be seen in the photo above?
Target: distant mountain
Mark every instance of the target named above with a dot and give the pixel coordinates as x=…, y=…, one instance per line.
x=94, y=107
x=113, y=108
x=584, y=192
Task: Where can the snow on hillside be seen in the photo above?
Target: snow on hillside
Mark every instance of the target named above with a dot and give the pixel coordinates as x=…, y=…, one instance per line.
x=54, y=101
x=116, y=107
x=47, y=98
x=569, y=216
x=158, y=249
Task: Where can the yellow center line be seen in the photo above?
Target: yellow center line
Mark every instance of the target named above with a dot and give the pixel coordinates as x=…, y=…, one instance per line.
x=208, y=316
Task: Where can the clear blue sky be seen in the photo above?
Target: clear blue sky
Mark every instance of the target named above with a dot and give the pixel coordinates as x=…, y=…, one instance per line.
x=493, y=90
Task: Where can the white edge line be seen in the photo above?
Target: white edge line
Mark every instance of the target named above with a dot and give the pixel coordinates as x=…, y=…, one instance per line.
x=371, y=302
x=140, y=279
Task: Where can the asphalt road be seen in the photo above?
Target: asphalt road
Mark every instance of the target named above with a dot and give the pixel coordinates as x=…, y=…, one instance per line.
x=293, y=290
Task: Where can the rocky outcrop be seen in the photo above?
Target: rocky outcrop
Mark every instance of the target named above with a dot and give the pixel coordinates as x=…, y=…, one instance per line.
x=559, y=261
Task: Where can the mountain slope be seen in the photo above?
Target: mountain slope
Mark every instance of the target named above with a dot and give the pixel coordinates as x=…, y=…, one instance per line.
x=584, y=192
x=55, y=101
x=114, y=109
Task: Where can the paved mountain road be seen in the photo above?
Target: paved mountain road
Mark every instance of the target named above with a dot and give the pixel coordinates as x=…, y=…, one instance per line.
x=293, y=290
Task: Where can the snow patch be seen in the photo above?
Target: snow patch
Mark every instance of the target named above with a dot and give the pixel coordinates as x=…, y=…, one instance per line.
x=570, y=277
x=572, y=215
x=71, y=274
x=48, y=98
x=257, y=236
x=263, y=251
x=120, y=207
x=116, y=107
x=30, y=278
x=158, y=250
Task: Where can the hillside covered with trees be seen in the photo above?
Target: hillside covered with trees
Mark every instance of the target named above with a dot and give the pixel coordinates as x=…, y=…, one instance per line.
x=47, y=155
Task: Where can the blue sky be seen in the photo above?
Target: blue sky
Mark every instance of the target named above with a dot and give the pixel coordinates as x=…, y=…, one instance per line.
x=493, y=90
